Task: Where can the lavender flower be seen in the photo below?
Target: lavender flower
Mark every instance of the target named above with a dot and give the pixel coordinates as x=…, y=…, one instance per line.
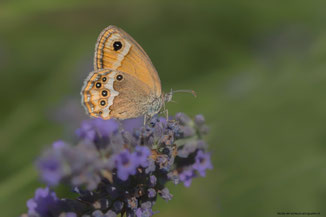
x=42, y=203
x=126, y=164
x=141, y=155
x=203, y=162
x=51, y=170
x=153, y=180
x=145, y=210
x=68, y=214
x=186, y=177
x=51, y=166
x=151, y=192
x=120, y=168
x=165, y=194
x=97, y=129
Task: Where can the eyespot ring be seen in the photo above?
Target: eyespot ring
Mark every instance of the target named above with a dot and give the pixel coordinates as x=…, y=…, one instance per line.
x=102, y=103
x=104, y=93
x=117, y=45
x=98, y=85
x=119, y=77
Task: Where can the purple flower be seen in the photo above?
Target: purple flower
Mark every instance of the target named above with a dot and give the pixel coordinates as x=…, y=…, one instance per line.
x=141, y=155
x=173, y=177
x=159, y=125
x=175, y=129
x=50, y=165
x=165, y=194
x=151, y=192
x=110, y=213
x=117, y=206
x=202, y=162
x=50, y=169
x=96, y=128
x=139, y=212
x=199, y=120
x=145, y=210
x=153, y=180
x=187, y=131
x=59, y=144
x=42, y=203
x=119, y=169
x=132, y=124
x=126, y=164
x=68, y=214
x=151, y=166
x=81, y=164
x=186, y=177
x=98, y=213
x=187, y=149
x=182, y=118
x=85, y=166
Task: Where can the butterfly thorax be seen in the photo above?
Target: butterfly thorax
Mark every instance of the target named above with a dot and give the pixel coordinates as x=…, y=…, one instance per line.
x=155, y=106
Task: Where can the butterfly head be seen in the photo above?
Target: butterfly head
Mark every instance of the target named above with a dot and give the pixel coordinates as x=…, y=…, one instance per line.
x=167, y=97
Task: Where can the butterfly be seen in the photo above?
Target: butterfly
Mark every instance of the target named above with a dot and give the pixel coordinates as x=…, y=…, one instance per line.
x=124, y=83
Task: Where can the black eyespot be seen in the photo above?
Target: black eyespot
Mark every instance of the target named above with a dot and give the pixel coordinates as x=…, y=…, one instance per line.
x=119, y=77
x=104, y=79
x=117, y=45
x=104, y=93
x=100, y=112
x=102, y=103
x=98, y=85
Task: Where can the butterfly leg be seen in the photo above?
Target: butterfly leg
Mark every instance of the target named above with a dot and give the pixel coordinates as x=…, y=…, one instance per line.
x=147, y=118
x=166, y=112
x=120, y=125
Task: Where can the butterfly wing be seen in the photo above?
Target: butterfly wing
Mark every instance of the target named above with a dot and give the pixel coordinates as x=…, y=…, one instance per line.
x=113, y=94
x=117, y=50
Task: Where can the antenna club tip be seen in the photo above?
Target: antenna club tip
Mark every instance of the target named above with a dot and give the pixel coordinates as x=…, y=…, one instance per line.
x=194, y=93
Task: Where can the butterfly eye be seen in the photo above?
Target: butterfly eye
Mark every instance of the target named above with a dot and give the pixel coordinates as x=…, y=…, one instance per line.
x=117, y=45
x=119, y=77
x=102, y=103
x=104, y=79
x=98, y=85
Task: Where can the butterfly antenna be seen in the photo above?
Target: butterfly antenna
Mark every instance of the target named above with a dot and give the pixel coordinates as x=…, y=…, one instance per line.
x=186, y=91
x=168, y=96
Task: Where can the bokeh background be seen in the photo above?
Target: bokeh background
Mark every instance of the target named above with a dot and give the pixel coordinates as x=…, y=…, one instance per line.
x=258, y=67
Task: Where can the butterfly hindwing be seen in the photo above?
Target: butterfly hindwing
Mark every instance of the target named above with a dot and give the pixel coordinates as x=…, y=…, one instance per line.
x=114, y=94
x=97, y=93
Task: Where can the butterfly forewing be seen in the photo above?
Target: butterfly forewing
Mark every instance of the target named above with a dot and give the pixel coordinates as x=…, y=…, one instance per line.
x=116, y=50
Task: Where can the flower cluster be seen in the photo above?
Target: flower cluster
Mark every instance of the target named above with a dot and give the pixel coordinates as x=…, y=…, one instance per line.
x=121, y=167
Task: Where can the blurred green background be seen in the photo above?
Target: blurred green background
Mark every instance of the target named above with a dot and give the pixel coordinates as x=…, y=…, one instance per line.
x=258, y=67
